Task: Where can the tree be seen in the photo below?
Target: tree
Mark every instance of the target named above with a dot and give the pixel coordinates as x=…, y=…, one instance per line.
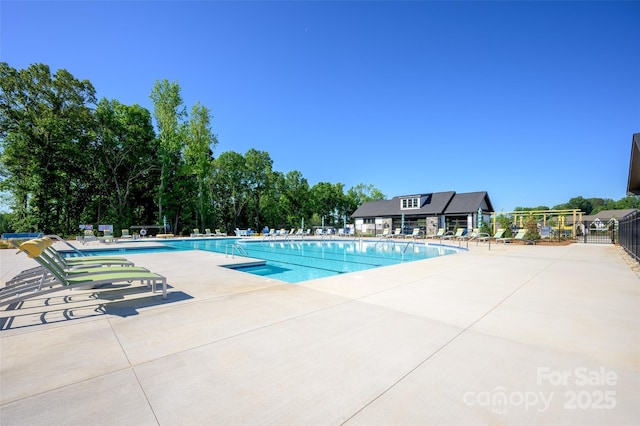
x=576, y=203
x=630, y=202
x=125, y=157
x=360, y=194
x=526, y=209
x=229, y=186
x=169, y=114
x=531, y=225
x=258, y=168
x=294, y=198
x=504, y=222
x=198, y=154
x=328, y=201
x=45, y=129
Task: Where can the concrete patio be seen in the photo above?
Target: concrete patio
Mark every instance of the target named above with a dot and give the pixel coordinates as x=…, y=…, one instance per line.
x=512, y=335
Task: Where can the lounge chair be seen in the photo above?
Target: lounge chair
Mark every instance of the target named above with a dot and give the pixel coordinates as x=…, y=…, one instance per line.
x=416, y=233
x=220, y=234
x=107, y=237
x=397, y=233
x=461, y=235
x=385, y=233
x=67, y=264
x=70, y=262
x=439, y=234
x=196, y=233
x=88, y=236
x=450, y=235
x=518, y=237
x=125, y=235
x=486, y=237
x=471, y=235
x=56, y=279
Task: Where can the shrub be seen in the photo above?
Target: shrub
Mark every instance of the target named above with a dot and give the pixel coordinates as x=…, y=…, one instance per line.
x=531, y=225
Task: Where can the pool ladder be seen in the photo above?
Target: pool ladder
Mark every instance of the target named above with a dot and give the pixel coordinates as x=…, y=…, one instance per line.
x=235, y=248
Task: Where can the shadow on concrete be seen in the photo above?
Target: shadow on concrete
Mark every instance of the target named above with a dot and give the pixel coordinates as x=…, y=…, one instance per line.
x=117, y=300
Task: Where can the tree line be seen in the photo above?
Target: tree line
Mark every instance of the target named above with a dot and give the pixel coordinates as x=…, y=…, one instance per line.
x=591, y=205
x=67, y=159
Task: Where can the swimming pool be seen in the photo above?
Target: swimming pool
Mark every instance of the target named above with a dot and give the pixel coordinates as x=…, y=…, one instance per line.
x=296, y=261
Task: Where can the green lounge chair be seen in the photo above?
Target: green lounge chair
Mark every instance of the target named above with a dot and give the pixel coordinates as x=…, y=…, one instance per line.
x=88, y=236
x=518, y=237
x=486, y=237
x=385, y=233
x=415, y=234
x=471, y=235
x=41, y=274
x=56, y=279
x=107, y=237
x=450, y=235
x=438, y=234
x=397, y=233
x=66, y=263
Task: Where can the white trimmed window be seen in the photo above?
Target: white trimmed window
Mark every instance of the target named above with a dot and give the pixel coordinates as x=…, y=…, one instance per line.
x=410, y=203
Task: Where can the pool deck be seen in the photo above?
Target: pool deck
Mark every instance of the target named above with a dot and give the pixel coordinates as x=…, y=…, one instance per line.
x=513, y=335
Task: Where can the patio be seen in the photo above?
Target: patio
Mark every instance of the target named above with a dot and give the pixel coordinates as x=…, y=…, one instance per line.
x=512, y=335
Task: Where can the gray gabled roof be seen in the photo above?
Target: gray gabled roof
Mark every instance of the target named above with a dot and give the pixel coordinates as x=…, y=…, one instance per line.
x=469, y=202
x=606, y=215
x=375, y=208
x=431, y=204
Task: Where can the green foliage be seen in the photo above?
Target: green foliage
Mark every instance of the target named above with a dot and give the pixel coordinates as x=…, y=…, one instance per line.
x=66, y=160
x=485, y=228
x=125, y=162
x=526, y=209
x=198, y=154
x=169, y=114
x=531, y=225
x=46, y=125
x=504, y=222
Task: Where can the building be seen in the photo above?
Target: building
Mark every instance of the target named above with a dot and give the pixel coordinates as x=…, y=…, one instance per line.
x=633, y=184
x=429, y=211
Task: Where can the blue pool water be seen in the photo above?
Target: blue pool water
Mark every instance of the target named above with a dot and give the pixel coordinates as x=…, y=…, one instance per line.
x=296, y=261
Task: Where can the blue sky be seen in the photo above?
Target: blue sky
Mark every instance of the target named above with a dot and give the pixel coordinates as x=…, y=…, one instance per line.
x=534, y=102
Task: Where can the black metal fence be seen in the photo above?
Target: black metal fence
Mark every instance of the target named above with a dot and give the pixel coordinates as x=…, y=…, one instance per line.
x=597, y=232
x=629, y=234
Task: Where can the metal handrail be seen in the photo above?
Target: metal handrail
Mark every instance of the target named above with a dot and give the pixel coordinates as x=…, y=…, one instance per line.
x=241, y=250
